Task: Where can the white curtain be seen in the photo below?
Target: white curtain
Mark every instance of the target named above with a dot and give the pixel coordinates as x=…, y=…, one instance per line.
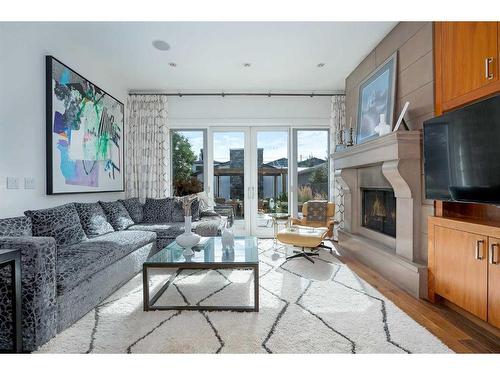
x=337, y=123
x=147, y=146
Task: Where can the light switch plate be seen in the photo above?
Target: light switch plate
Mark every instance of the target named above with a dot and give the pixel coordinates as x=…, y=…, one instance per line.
x=12, y=183
x=29, y=183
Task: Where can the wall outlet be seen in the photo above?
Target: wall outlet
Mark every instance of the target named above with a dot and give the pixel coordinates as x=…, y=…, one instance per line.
x=29, y=183
x=12, y=183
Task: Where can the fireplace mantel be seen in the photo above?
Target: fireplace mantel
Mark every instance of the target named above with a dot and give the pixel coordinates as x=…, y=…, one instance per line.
x=394, y=146
x=396, y=157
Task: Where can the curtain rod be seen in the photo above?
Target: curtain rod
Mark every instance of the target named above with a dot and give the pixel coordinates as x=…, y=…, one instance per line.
x=223, y=94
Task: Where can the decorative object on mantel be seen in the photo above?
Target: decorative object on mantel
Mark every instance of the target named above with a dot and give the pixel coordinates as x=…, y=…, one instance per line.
x=340, y=141
x=376, y=97
x=401, y=118
x=383, y=128
x=187, y=239
x=84, y=128
x=350, y=138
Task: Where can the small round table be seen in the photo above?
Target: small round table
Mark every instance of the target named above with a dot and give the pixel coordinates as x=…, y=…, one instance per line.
x=277, y=218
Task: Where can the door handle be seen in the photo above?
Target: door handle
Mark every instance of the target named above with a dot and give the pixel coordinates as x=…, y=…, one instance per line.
x=487, y=63
x=251, y=192
x=479, y=246
x=492, y=253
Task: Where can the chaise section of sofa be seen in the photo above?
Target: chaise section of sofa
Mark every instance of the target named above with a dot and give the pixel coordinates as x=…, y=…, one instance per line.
x=92, y=270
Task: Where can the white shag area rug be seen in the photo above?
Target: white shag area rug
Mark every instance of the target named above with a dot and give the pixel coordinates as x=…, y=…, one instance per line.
x=304, y=308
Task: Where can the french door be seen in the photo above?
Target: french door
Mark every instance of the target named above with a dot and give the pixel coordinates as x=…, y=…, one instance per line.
x=248, y=173
x=269, y=177
x=259, y=171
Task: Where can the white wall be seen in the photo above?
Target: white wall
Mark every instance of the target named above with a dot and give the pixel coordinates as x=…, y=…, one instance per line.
x=23, y=47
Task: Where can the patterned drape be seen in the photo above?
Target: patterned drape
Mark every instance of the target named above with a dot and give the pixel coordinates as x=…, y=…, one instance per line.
x=337, y=123
x=146, y=138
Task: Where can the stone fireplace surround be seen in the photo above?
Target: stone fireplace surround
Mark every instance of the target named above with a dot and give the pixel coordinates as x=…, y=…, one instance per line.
x=391, y=161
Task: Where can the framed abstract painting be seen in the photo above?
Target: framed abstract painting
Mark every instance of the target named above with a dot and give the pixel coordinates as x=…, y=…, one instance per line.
x=376, y=96
x=85, y=134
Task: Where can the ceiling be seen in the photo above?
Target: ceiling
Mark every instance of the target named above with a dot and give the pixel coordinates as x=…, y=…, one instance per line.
x=210, y=55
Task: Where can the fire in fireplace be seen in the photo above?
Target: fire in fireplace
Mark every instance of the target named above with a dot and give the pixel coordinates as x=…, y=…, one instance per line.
x=379, y=210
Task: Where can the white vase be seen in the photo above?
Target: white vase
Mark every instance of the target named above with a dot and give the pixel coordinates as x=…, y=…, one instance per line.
x=382, y=128
x=187, y=239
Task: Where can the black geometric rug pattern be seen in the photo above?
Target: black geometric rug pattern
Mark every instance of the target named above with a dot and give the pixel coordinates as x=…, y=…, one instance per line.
x=304, y=308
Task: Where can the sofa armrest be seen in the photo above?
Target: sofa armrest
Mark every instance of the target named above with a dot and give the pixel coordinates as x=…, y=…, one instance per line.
x=38, y=283
x=226, y=210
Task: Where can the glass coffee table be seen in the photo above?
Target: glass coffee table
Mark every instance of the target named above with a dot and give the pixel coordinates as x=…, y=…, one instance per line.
x=208, y=255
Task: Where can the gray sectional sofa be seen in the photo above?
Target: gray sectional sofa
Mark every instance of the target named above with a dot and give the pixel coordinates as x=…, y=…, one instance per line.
x=75, y=255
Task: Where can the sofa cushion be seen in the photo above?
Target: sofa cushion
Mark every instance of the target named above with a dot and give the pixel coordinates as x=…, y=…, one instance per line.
x=15, y=226
x=134, y=208
x=117, y=215
x=93, y=219
x=158, y=210
x=209, y=226
x=76, y=263
x=61, y=222
x=162, y=230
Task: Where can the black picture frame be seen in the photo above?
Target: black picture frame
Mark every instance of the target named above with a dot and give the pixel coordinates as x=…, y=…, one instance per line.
x=50, y=188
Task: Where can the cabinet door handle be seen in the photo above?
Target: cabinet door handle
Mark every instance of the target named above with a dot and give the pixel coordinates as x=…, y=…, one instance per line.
x=479, y=247
x=492, y=253
x=487, y=63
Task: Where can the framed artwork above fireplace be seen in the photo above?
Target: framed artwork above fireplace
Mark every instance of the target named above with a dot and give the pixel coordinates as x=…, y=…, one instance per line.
x=376, y=97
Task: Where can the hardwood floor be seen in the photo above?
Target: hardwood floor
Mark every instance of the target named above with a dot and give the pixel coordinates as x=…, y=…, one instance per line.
x=458, y=333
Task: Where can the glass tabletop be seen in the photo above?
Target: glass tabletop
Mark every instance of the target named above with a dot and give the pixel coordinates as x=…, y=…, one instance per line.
x=209, y=251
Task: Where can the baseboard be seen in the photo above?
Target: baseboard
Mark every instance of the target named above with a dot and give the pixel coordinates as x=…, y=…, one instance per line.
x=474, y=319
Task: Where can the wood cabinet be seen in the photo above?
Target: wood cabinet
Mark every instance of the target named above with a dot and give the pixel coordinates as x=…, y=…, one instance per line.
x=494, y=281
x=466, y=62
x=463, y=267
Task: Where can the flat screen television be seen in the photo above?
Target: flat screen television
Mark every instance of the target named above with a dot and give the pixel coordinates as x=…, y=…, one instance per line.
x=462, y=154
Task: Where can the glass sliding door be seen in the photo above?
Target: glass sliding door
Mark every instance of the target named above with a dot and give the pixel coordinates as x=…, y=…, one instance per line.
x=312, y=171
x=188, y=161
x=270, y=178
x=229, y=180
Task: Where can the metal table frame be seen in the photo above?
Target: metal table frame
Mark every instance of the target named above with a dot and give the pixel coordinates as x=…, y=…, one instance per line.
x=149, y=302
x=12, y=258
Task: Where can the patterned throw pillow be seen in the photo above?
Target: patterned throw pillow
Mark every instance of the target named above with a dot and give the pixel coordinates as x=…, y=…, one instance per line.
x=206, y=202
x=158, y=210
x=61, y=222
x=195, y=209
x=134, y=208
x=93, y=219
x=178, y=210
x=15, y=226
x=117, y=215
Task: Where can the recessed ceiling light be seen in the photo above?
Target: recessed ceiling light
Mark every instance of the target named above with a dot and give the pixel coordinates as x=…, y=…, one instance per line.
x=172, y=64
x=320, y=65
x=247, y=65
x=161, y=45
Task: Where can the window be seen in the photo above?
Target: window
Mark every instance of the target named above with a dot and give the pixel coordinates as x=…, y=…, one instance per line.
x=188, y=161
x=312, y=165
